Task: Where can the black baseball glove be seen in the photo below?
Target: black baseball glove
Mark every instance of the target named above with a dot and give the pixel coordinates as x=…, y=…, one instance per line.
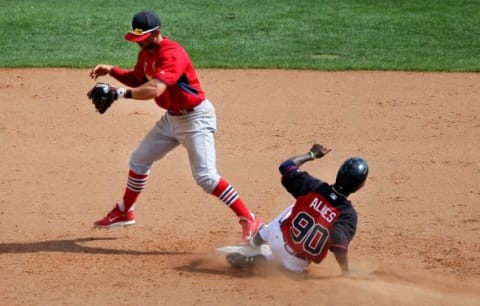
x=102, y=95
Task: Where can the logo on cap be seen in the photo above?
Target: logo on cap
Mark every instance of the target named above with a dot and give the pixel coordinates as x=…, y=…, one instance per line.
x=142, y=24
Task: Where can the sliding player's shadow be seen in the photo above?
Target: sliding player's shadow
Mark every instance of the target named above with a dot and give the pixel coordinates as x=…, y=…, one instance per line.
x=262, y=270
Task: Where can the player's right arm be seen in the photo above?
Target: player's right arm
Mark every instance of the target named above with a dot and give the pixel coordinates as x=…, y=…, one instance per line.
x=131, y=78
x=100, y=70
x=316, y=151
x=298, y=182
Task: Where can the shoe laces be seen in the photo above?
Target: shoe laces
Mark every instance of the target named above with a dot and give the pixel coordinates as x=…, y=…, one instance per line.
x=114, y=211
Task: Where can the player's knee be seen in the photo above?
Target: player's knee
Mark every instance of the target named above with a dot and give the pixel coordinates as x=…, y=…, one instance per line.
x=207, y=182
x=140, y=169
x=138, y=165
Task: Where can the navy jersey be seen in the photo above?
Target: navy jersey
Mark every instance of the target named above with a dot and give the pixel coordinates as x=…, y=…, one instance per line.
x=320, y=219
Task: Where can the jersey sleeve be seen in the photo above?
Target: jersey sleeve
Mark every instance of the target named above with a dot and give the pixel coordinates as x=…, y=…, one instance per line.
x=174, y=61
x=131, y=78
x=295, y=181
x=138, y=71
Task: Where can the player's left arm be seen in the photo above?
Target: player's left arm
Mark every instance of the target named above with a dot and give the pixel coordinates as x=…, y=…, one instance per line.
x=147, y=91
x=150, y=90
x=341, y=255
x=342, y=233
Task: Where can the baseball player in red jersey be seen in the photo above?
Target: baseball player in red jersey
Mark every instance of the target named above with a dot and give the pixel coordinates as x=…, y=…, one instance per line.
x=165, y=73
x=321, y=219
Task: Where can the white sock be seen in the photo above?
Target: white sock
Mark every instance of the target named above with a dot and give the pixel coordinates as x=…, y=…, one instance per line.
x=121, y=206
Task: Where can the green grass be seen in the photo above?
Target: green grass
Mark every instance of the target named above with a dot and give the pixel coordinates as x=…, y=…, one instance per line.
x=303, y=34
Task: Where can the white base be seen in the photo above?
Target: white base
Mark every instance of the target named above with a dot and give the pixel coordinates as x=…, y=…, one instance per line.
x=246, y=250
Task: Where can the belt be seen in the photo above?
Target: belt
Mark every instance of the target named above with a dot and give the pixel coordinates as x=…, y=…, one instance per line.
x=183, y=111
x=180, y=112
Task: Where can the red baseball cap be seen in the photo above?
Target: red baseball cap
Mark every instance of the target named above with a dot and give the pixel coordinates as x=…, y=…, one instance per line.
x=143, y=24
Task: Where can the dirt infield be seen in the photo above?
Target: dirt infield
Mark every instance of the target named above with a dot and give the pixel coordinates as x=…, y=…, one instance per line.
x=64, y=166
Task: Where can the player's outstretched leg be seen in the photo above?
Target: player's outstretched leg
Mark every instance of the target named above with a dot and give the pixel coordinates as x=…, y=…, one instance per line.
x=123, y=213
x=238, y=260
x=228, y=195
x=116, y=218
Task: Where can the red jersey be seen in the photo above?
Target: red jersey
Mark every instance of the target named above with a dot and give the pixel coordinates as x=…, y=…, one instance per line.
x=307, y=229
x=171, y=64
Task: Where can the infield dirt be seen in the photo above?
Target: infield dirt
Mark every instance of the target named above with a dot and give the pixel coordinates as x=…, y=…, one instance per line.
x=64, y=166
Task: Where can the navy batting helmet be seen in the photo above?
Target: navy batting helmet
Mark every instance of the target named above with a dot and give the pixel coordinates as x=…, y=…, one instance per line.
x=351, y=176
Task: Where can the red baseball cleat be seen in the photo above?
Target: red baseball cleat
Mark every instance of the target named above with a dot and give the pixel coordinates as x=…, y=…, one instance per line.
x=250, y=227
x=116, y=218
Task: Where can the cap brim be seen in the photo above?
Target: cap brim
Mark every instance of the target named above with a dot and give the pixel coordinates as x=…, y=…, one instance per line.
x=136, y=38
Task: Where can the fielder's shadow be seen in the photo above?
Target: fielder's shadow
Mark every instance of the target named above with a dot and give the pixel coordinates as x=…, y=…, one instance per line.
x=74, y=246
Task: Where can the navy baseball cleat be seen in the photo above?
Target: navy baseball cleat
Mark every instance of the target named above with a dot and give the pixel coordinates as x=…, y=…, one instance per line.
x=238, y=260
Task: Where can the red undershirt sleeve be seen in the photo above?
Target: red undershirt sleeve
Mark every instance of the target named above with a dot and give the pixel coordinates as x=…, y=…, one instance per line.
x=126, y=77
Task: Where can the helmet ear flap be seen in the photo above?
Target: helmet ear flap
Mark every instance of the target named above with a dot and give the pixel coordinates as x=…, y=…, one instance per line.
x=351, y=176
